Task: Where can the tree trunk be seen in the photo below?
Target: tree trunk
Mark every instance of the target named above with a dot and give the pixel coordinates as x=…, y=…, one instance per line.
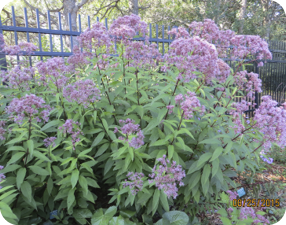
x=133, y=6
x=242, y=15
x=70, y=8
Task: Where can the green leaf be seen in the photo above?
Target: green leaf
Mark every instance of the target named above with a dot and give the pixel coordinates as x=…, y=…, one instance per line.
x=20, y=177
x=164, y=201
x=105, y=124
x=206, y=174
x=159, y=143
x=6, y=194
x=71, y=198
x=140, y=110
x=6, y=211
x=108, y=165
x=67, y=160
x=155, y=201
x=84, y=152
x=83, y=183
x=194, y=179
x=74, y=177
x=39, y=170
x=131, y=153
x=102, y=149
x=50, y=185
x=215, y=166
x=216, y=153
x=30, y=145
x=26, y=190
x=211, y=141
x=127, y=213
x=170, y=151
x=41, y=156
x=161, y=114
x=83, y=213
x=16, y=157
x=9, y=168
x=98, y=139
x=176, y=217
x=50, y=124
x=16, y=148
x=205, y=157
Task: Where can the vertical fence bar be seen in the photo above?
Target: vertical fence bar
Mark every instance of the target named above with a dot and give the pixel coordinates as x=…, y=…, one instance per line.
x=150, y=31
x=79, y=25
x=38, y=26
x=61, y=36
x=71, y=37
x=157, y=36
x=49, y=25
x=163, y=30
x=27, y=33
x=88, y=22
x=106, y=24
x=15, y=32
x=168, y=38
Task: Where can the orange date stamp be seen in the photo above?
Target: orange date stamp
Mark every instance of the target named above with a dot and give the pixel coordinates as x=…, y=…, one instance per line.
x=255, y=202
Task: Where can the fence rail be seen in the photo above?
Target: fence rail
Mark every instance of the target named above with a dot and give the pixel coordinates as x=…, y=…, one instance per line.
x=273, y=74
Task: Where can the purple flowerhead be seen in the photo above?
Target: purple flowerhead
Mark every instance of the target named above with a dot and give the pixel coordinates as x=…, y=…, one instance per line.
x=189, y=105
x=50, y=141
x=83, y=92
x=167, y=176
x=129, y=128
x=29, y=106
x=170, y=108
x=71, y=127
x=135, y=182
x=269, y=161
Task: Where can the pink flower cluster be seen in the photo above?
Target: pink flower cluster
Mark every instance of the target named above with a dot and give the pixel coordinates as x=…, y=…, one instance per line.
x=69, y=127
x=2, y=176
x=245, y=45
x=95, y=38
x=26, y=47
x=131, y=129
x=29, y=106
x=210, y=32
x=18, y=77
x=239, y=108
x=142, y=55
x=271, y=122
x=166, y=178
x=190, y=55
x=2, y=130
x=127, y=27
x=79, y=58
x=136, y=183
x=223, y=71
x=83, y=92
x=190, y=104
x=179, y=32
x=50, y=141
x=53, y=70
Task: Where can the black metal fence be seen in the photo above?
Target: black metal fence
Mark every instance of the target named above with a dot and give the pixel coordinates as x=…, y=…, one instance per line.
x=53, y=42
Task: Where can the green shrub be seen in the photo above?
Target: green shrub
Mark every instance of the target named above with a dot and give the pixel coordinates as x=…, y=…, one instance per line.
x=136, y=132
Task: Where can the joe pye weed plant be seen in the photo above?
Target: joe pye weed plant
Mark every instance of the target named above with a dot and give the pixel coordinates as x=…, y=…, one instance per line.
x=150, y=132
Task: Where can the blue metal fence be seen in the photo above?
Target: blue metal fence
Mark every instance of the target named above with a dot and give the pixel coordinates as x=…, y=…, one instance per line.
x=154, y=38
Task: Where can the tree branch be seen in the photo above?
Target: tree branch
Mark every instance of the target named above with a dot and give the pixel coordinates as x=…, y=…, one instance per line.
x=83, y=2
